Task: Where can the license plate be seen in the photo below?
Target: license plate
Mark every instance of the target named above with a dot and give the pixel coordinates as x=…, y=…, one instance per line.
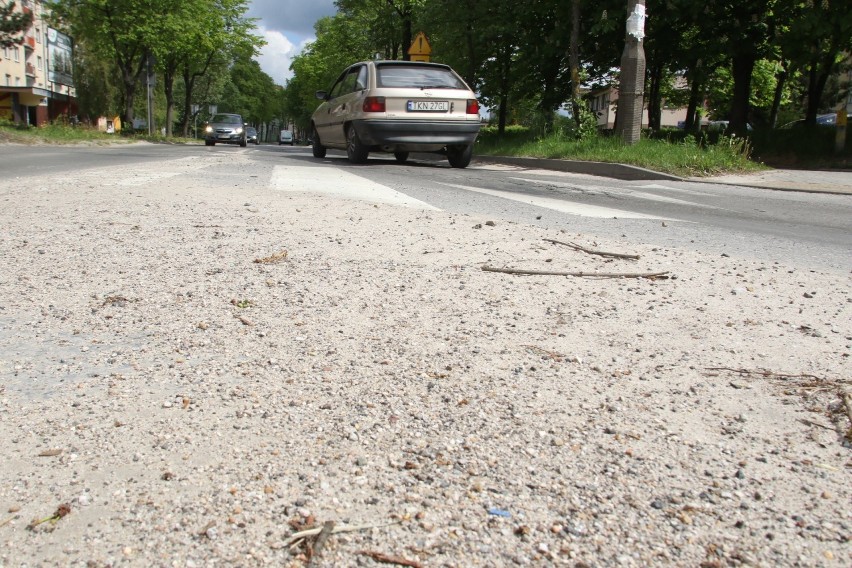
x=428, y=106
x=224, y=136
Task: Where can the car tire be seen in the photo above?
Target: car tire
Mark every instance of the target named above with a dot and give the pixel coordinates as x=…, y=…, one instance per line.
x=243, y=143
x=401, y=157
x=209, y=143
x=355, y=149
x=319, y=149
x=459, y=156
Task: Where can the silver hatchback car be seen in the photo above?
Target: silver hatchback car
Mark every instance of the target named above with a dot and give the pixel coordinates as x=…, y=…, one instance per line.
x=398, y=107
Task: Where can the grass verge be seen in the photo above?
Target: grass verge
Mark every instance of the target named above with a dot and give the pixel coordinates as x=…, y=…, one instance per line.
x=686, y=158
x=66, y=134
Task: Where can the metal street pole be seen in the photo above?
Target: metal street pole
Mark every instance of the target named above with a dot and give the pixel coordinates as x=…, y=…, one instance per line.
x=631, y=89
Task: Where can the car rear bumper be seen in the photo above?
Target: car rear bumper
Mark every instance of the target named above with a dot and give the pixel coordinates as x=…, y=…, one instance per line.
x=411, y=133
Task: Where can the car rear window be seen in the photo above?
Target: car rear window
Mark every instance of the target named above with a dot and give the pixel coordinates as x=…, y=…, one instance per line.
x=417, y=76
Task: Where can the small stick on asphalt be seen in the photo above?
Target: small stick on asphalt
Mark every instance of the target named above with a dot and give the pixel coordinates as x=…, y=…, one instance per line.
x=847, y=401
x=339, y=529
x=387, y=559
x=765, y=373
x=322, y=537
x=61, y=511
x=575, y=246
x=521, y=272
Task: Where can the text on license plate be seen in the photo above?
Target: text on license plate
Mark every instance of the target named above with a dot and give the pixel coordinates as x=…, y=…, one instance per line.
x=428, y=106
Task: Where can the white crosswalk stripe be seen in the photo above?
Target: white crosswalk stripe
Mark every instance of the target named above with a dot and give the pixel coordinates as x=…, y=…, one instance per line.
x=562, y=205
x=333, y=181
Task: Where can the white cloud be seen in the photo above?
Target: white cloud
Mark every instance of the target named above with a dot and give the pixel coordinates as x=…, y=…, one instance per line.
x=276, y=55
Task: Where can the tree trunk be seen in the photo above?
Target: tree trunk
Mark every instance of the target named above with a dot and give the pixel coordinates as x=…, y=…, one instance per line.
x=655, y=111
x=169, y=72
x=693, y=122
x=780, y=81
x=818, y=76
x=574, y=62
x=743, y=65
x=131, y=81
x=504, y=109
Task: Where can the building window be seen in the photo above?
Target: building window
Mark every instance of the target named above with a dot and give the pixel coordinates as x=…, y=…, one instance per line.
x=39, y=63
x=17, y=81
x=17, y=53
x=8, y=80
x=38, y=35
x=6, y=53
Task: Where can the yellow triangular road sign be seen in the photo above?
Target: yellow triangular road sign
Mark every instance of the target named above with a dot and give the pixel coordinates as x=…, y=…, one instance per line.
x=420, y=48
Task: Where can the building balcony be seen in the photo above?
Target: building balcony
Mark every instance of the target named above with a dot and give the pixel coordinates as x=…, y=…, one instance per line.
x=30, y=70
x=27, y=6
x=29, y=42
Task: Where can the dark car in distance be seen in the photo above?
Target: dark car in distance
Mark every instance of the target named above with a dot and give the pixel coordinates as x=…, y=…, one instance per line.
x=251, y=135
x=225, y=129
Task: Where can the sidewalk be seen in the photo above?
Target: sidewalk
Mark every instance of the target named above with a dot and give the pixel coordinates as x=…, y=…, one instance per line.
x=811, y=181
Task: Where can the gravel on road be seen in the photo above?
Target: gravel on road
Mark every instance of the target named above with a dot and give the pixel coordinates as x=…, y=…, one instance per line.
x=191, y=374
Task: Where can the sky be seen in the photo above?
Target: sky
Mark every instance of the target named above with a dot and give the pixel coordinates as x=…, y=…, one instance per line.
x=286, y=25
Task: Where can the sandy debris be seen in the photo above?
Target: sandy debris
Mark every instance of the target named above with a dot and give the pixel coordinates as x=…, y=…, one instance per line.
x=190, y=403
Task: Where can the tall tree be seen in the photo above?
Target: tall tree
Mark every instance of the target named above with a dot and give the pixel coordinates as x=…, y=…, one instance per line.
x=201, y=31
x=816, y=38
x=13, y=24
x=121, y=30
x=338, y=44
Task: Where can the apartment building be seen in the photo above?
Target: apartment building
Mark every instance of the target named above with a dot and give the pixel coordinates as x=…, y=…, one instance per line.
x=36, y=77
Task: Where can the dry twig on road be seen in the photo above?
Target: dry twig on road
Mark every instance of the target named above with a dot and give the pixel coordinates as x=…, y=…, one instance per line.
x=388, y=559
x=523, y=272
x=765, y=373
x=575, y=246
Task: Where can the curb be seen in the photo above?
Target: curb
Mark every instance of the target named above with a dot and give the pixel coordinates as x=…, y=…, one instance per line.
x=633, y=173
x=603, y=169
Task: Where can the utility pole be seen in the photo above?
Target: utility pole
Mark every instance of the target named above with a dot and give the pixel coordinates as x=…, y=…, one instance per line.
x=631, y=88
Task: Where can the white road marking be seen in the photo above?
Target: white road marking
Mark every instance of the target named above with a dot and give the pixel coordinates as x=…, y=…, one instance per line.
x=680, y=189
x=336, y=182
x=599, y=189
x=561, y=205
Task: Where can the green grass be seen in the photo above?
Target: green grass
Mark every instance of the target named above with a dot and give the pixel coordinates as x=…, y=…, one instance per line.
x=51, y=134
x=685, y=158
x=80, y=134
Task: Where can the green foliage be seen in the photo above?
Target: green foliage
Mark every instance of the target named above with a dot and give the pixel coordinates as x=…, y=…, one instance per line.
x=686, y=157
x=316, y=68
x=12, y=25
x=55, y=133
x=185, y=38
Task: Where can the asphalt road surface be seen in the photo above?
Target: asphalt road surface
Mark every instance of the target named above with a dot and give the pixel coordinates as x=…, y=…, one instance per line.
x=811, y=231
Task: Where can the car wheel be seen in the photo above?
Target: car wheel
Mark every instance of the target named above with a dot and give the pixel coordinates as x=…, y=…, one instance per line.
x=355, y=150
x=209, y=143
x=401, y=157
x=319, y=149
x=459, y=156
x=243, y=143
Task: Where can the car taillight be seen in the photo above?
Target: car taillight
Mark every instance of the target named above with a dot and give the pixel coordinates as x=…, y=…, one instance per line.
x=472, y=106
x=374, y=104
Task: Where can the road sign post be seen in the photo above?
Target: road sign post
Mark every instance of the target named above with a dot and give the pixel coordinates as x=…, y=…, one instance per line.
x=631, y=87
